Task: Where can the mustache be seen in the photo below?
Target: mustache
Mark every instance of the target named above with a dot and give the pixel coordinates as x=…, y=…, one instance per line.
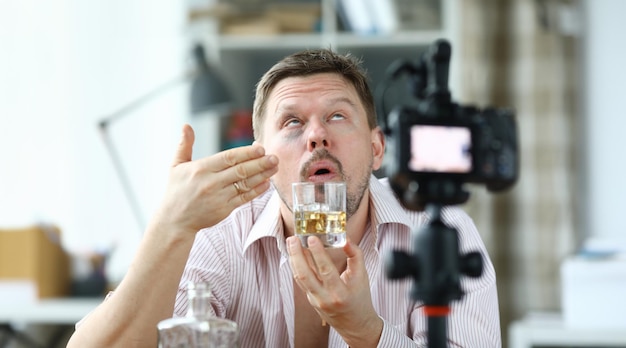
x=321, y=154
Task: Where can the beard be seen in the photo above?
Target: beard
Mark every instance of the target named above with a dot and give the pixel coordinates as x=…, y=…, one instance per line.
x=355, y=185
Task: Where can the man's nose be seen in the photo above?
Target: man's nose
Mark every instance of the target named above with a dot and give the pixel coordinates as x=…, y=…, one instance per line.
x=318, y=135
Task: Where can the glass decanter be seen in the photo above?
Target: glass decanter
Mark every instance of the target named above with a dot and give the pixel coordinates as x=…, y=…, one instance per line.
x=198, y=329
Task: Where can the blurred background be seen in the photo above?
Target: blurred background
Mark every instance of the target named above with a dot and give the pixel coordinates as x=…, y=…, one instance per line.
x=65, y=66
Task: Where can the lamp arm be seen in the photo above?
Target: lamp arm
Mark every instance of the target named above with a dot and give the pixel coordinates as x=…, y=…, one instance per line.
x=122, y=176
x=138, y=102
x=103, y=126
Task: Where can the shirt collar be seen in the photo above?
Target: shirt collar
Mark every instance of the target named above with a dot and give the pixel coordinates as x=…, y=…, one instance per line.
x=268, y=224
x=386, y=207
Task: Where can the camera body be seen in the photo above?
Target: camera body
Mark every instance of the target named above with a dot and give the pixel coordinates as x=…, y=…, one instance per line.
x=435, y=146
x=460, y=145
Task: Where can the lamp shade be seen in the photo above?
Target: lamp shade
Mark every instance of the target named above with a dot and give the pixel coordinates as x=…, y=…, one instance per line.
x=208, y=90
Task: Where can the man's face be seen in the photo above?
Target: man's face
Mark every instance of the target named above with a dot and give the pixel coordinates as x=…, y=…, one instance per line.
x=317, y=127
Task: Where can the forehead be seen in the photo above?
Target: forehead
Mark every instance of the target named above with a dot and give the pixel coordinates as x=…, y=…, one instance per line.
x=294, y=93
x=323, y=83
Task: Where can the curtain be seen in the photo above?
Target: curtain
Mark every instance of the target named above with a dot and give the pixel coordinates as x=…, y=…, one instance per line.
x=523, y=54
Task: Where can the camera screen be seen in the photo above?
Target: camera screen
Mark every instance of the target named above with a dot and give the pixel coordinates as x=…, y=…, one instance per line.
x=440, y=149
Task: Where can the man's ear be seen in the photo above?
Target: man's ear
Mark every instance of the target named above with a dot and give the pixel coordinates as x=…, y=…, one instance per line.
x=378, y=147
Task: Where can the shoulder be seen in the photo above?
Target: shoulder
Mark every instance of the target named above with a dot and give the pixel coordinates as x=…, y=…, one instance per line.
x=387, y=207
x=469, y=237
x=456, y=217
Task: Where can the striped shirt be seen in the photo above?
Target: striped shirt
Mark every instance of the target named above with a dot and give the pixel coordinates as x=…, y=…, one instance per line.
x=245, y=260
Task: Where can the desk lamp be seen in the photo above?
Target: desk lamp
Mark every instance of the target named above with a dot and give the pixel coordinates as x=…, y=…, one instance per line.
x=208, y=92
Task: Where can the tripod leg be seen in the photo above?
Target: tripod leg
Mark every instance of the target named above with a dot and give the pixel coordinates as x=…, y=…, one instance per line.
x=437, y=332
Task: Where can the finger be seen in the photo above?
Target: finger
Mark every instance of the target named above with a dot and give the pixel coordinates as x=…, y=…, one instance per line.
x=229, y=158
x=185, y=147
x=241, y=196
x=247, y=172
x=253, y=172
x=247, y=189
x=300, y=266
x=256, y=183
x=350, y=249
x=311, y=262
x=355, y=261
x=326, y=270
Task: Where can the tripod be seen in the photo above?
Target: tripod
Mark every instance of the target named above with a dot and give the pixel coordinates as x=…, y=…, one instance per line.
x=436, y=267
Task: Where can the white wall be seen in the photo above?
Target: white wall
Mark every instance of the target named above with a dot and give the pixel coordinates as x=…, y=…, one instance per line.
x=605, y=117
x=63, y=65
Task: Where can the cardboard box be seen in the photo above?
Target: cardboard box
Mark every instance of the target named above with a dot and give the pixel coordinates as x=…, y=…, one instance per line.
x=33, y=257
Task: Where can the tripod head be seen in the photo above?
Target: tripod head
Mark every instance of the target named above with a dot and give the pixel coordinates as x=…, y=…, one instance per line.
x=435, y=265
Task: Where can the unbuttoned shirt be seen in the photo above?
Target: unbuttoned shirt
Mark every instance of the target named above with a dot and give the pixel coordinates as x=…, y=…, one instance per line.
x=245, y=260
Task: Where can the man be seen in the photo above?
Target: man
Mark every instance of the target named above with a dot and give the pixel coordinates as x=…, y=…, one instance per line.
x=314, y=120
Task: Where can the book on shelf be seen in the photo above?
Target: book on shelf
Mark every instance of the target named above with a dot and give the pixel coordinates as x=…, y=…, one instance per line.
x=368, y=17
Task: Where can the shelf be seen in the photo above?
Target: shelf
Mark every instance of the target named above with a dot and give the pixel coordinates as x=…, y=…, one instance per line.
x=340, y=40
x=399, y=39
x=245, y=57
x=48, y=311
x=330, y=34
x=269, y=42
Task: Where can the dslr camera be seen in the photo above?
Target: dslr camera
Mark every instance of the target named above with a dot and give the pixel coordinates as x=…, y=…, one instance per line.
x=436, y=146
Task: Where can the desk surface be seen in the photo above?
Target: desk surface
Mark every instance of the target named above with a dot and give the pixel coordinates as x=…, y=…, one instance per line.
x=48, y=311
x=548, y=329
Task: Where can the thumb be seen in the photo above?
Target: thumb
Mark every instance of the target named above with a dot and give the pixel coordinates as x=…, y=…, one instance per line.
x=185, y=147
x=353, y=252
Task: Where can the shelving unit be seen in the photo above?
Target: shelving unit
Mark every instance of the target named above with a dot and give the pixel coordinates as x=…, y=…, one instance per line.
x=244, y=58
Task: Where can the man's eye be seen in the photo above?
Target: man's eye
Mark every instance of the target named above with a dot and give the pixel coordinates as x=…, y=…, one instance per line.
x=292, y=122
x=337, y=117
